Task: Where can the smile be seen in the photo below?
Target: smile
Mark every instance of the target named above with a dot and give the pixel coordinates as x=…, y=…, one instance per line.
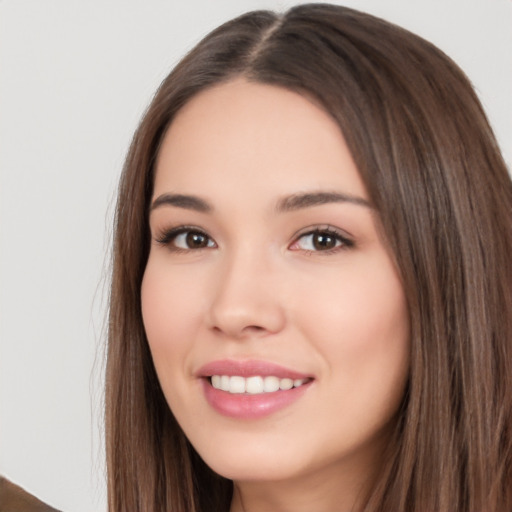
x=254, y=385
x=251, y=389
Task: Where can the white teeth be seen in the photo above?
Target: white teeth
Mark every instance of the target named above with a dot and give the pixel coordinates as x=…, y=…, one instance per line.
x=224, y=383
x=270, y=384
x=285, y=384
x=216, y=379
x=254, y=385
x=236, y=384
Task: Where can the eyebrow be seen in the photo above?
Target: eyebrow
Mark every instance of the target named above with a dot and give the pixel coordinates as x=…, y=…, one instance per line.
x=182, y=201
x=309, y=199
x=286, y=204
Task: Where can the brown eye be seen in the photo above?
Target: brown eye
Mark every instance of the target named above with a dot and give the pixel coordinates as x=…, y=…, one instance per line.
x=196, y=240
x=186, y=239
x=323, y=241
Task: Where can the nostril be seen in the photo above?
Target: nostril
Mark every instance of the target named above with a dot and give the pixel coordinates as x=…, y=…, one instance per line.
x=247, y=331
x=254, y=328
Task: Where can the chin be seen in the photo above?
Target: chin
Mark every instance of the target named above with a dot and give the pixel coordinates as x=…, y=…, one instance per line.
x=253, y=471
x=254, y=462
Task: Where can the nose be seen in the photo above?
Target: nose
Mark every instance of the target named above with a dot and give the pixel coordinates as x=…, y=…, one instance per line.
x=246, y=301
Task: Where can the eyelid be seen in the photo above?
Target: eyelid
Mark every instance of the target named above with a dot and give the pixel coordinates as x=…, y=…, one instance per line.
x=166, y=236
x=346, y=240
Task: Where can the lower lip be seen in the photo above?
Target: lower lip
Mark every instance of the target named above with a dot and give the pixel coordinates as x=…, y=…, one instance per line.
x=247, y=406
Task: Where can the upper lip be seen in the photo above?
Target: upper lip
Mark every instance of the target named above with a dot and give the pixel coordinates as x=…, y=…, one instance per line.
x=249, y=368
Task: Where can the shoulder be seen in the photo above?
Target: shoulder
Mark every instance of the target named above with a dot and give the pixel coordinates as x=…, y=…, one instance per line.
x=15, y=499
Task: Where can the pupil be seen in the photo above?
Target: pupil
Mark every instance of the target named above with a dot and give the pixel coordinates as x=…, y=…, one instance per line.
x=196, y=240
x=323, y=241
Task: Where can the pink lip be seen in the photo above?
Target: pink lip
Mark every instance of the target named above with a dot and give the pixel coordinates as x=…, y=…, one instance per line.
x=248, y=369
x=246, y=406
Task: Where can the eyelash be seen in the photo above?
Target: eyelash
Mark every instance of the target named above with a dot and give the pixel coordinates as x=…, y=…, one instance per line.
x=344, y=242
x=167, y=237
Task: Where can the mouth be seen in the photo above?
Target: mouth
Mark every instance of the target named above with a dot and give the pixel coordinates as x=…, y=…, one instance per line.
x=251, y=389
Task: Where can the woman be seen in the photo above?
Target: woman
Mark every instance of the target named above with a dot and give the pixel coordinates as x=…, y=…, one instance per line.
x=311, y=303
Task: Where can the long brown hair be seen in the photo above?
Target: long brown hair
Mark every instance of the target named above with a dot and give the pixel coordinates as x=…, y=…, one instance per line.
x=432, y=168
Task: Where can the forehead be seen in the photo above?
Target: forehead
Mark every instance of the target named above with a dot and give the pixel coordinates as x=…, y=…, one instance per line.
x=254, y=136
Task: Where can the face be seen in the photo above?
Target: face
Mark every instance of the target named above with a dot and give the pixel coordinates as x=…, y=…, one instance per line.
x=274, y=313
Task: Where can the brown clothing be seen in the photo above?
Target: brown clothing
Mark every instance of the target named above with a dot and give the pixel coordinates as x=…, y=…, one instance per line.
x=15, y=499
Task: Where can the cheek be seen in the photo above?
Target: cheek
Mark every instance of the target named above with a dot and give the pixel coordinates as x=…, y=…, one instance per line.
x=359, y=323
x=169, y=307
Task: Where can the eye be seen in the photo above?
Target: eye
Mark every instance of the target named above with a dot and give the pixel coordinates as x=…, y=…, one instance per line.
x=192, y=240
x=321, y=240
x=186, y=239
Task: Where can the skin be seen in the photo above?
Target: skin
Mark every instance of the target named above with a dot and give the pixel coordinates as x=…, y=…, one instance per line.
x=261, y=289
